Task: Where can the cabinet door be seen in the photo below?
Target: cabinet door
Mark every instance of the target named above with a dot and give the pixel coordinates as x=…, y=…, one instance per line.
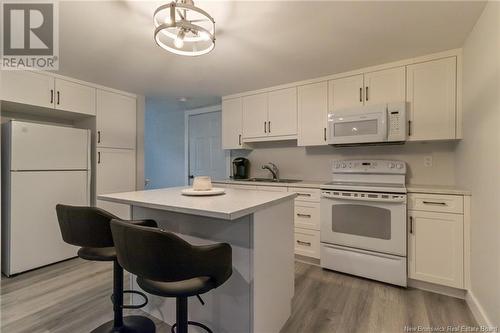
x=345, y=93
x=431, y=95
x=385, y=86
x=115, y=173
x=312, y=114
x=435, y=249
x=231, y=123
x=28, y=88
x=116, y=120
x=255, y=116
x=282, y=112
x=75, y=97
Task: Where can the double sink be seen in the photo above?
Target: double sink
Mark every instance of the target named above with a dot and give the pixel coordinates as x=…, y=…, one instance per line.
x=270, y=180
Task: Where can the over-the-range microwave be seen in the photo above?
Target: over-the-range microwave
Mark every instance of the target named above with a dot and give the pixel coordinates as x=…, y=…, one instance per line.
x=373, y=124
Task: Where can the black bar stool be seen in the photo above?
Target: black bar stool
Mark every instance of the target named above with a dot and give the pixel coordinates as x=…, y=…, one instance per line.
x=89, y=228
x=168, y=266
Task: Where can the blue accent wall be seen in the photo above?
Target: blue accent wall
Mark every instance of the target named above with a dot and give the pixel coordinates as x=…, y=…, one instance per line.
x=163, y=144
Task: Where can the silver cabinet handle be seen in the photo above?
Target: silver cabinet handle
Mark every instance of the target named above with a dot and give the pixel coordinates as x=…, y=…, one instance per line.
x=98, y=157
x=304, y=194
x=434, y=203
x=98, y=136
x=58, y=98
x=411, y=224
x=366, y=93
x=409, y=127
x=269, y=126
x=265, y=128
x=304, y=243
x=239, y=139
x=304, y=215
x=324, y=133
x=51, y=96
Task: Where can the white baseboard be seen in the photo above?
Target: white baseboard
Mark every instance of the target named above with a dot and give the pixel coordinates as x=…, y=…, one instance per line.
x=477, y=310
x=438, y=289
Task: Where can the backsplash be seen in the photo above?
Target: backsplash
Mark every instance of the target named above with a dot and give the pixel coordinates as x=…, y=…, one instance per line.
x=314, y=163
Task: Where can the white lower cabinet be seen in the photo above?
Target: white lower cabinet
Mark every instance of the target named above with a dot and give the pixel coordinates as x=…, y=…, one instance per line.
x=436, y=246
x=307, y=242
x=115, y=173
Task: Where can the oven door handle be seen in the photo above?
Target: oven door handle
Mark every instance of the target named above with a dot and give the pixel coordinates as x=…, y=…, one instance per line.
x=397, y=200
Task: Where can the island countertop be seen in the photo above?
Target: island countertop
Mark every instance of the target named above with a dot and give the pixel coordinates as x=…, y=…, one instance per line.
x=231, y=205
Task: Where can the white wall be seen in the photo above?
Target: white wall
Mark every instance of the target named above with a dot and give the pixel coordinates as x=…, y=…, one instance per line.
x=478, y=161
x=314, y=163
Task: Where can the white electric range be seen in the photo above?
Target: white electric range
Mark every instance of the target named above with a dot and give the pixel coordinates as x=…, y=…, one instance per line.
x=363, y=220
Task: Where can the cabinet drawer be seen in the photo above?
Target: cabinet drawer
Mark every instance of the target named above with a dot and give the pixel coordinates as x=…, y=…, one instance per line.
x=436, y=203
x=305, y=194
x=271, y=188
x=307, y=215
x=307, y=242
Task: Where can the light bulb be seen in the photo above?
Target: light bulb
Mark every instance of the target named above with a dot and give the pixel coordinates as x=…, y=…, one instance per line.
x=179, y=40
x=204, y=35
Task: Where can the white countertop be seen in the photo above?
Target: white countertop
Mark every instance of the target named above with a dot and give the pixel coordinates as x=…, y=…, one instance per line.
x=411, y=188
x=234, y=204
x=436, y=189
x=302, y=183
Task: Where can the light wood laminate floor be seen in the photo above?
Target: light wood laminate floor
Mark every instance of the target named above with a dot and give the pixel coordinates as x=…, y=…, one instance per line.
x=73, y=297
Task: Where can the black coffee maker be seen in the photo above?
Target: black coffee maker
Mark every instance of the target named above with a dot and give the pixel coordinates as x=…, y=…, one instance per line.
x=241, y=168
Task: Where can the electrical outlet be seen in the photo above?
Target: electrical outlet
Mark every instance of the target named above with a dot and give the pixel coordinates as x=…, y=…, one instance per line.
x=428, y=161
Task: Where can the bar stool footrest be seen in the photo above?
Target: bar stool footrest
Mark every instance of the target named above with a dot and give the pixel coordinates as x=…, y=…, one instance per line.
x=194, y=323
x=132, y=306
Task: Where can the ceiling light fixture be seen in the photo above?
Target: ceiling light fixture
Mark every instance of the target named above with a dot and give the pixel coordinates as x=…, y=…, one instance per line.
x=184, y=29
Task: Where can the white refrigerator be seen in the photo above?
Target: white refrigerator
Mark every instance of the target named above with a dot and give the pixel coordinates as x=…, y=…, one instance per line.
x=42, y=165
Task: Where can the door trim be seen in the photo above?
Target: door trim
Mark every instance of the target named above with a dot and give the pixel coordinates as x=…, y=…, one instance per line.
x=187, y=114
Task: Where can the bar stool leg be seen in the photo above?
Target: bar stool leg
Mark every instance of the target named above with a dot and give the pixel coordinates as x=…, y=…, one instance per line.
x=117, y=295
x=129, y=324
x=182, y=314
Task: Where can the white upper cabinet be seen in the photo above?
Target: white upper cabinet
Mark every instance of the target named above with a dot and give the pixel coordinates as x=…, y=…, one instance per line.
x=377, y=87
x=47, y=91
x=345, y=93
x=385, y=86
x=231, y=123
x=255, y=116
x=74, y=97
x=432, y=100
x=282, y=117
x=28, y=88
x=116, y=120
x=312, y=114
x=430, y=85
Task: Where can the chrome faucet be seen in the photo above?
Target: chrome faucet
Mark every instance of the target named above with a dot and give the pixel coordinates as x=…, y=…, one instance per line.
x=273, y=169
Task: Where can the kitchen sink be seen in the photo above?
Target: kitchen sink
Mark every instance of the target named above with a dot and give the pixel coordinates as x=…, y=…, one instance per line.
x=268, y=180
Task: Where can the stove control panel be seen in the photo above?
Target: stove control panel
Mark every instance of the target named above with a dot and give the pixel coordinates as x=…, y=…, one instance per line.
x=369, y=166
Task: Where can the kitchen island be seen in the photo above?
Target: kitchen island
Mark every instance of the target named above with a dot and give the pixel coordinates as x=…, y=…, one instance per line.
x=259, y=227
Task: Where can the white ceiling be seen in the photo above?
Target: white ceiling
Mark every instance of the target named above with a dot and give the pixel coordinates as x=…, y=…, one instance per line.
x=259, y=44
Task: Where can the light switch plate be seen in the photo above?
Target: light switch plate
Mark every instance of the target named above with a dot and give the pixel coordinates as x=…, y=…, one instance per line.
x=428, y=161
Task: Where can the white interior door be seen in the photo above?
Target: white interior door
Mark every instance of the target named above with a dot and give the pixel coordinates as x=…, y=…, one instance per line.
x=206, y=156
x=35, y=238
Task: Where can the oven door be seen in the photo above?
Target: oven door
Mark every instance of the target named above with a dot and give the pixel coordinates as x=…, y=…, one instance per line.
x=368, y=221
x=355, y=127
